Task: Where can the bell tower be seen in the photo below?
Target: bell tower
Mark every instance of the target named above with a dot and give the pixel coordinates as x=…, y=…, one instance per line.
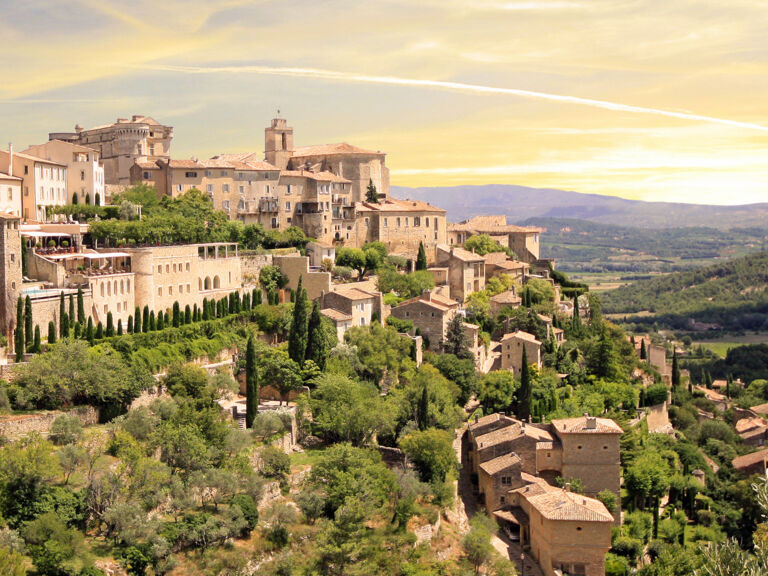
x=278, y=143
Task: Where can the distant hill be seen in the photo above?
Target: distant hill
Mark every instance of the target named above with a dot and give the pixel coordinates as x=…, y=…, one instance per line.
x=593, y=247
x=519, y=203
x=731, y=294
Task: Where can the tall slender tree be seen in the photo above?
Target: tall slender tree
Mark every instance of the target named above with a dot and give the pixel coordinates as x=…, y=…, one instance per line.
x=137, y=320
x=80, y=306
x=675, y=372
x=421, y=258
x=19, y=341
x=422, y=412
x=110, y=331
x=251, y=383
x=297, y=337
x=28, y=329
x=643, y=351
x=37, y=345
x=160, y=323
x=187, y=314
x=176, y=314
x=524, y=392
x=99, y=331
x=51, y=332
x=371, y=194
x=456, y=340
x=130, y=325
x=71, y=311
x=576, y=325
x=318, y=345
x=62, y=313
x=119, y=326
x=145, y=327
x=89, y=335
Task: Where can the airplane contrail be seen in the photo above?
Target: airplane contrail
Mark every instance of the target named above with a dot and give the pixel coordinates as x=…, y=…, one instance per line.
x=452, y=86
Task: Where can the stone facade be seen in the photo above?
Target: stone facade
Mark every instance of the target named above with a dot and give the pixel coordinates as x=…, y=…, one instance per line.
x=10, y=194
x=295, y=267
x=10, y=271
x=16, y=427
x=512, y=350
x=85, y=172
x=123, y=144
x=357, y=304
x=466, y=270
x=431, y=314
x=44, y=183
x=524, y=241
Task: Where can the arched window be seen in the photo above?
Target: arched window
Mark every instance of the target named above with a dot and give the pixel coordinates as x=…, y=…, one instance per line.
x=216, y=282
x=199, y=283
x=102, y=290
x=109, y=289
x=207, y=282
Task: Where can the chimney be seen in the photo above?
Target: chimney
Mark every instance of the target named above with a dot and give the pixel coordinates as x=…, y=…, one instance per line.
x=427, y=295
x=10, y=158
x=591, y=421
x=567, y=486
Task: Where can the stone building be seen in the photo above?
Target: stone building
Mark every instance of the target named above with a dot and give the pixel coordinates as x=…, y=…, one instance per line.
x=466, y=270
x=44, y=182
x=512, y=345
x=341, y=321
x=522, y=240
x=498, y=263
x=185, y=274
x=752, y=463
x=753, y=430
x=10, y=271
x=319, y=251
x=10, y=194
x=315, y=282
x=431, y=314
x=123, y=143
x=361, y=306
x=85, y=172
x=508, y=299
x=504, y=436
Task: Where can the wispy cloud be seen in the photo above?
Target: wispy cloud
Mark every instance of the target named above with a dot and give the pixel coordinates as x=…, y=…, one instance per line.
x=448, y=85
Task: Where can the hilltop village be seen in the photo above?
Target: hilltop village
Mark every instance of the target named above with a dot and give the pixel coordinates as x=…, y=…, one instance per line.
x=264, y=363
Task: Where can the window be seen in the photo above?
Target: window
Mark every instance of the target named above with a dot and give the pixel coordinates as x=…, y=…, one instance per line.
x=287, y=206
x=223, y=172
x=288, y=191
x=385, y=222
x=578, y=447
x=426, y=221
x=187, y=266
x=146, y=176
x=209, y=188
x=208, y=173
x=225, y=205
x=416, y=221
x=159, y=290
x=506, y=480
x=170, y=290
x=181, y=288
x=242, y=189
x=159, y=268
x=190, y=174
x=225, y=187
x=26, y=169
x=10, y=193
x=13, y=257
x=82, y=175
x=179, y=188
x=151, y=149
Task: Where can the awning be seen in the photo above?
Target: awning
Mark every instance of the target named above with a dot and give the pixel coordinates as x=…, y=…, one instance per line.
x=41, y=234
x=98, y=255
x=515, y=515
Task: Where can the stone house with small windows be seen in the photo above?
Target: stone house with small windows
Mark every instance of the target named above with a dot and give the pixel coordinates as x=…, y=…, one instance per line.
x=85, y=171
x=512, y=345
x=522, y=240
x=466, y=270
x=318, y=251
x=431, y=314
x=498, y=263
x=315, y=282
x=43, y=183
x=359, y=307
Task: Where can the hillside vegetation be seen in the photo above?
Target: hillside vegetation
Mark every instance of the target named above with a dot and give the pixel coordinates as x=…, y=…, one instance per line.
x=731, y=294
x=585, y=246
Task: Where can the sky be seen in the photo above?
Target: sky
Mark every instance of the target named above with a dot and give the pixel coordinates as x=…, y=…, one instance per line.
x=650, y=100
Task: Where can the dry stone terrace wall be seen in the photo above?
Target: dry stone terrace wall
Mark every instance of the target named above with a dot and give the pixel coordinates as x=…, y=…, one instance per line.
x=16, y=426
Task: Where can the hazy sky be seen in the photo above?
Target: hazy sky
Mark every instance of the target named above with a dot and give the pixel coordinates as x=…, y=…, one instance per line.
x=658, y=100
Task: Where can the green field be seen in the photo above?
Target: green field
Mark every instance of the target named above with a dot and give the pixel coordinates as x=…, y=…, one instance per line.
x=721, y=347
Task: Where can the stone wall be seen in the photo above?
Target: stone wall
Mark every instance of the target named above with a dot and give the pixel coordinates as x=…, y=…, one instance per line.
x=315, y=283
x=16, y=426
x=251, y=265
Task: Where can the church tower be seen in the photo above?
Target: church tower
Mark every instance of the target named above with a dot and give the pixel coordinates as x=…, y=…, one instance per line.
x=278, y=143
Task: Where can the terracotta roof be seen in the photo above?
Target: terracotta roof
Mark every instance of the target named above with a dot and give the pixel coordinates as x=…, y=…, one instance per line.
x=186, y=164
x=489, y=224
x=335, y=315
x=560, y=504
x=31, y=157
x=760, y=408
x=496, y=465
x=460, y=253
x=331, y=150
x=6, y=176
x=321, y=176
x=747, y=424
x=352, y=292
x=719, y=384
x=508, y=297
x=148, y=165
x=514, y=430
x=750, y=459
x=544, y=318
x=436, y=301
x=519, y=334
x=580, y=426
x=711, y=394
x=391, y=205
x=489, y=419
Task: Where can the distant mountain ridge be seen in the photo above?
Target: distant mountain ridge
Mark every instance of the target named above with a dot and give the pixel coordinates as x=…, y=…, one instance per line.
x=520, y=203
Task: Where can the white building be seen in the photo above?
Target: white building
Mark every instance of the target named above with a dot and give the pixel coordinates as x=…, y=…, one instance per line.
x=44, y=182
x=84, y=168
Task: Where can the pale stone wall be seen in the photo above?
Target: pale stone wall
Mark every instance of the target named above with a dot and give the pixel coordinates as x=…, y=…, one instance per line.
x=10, y=272
x=494, y=488
x=10, y=194
x=512, y=353
x=45, y=309
x=432, y=323
x=594, y=459
x=315, y=283
x=251, y=265
x=114, y=293
x=559, y=543
x=17, y=426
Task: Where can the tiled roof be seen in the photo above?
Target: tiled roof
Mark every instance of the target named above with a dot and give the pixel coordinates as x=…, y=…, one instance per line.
x=754, y=423
x=496, y=465
x=508, y=297
x=336, y=315
x=514, y=430
x=331, y=150
x=520, y=335
x=321, y=176
x=391, y=205
x=760, y=408
x=580, y=426
x=750, y=459
x=560, y=504
x=148, y=165
x=489, y=224
x=436, y=301
x=352, y=292
x=5, y=176
x=33, y=158
x=711, y=394
x=489, y=419
x=460, y=253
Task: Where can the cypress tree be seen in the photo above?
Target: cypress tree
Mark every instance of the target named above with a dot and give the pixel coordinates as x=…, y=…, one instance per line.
x=97, y=199
x=77, y=330
x=137, y=320
x=51, y=332
x=119, y=327
x=371, y=194
x=19, y=342
x=728, y=382
x=205, y=309
x=99, y=331
x=421, y=258
x=110, y=325
x=317, y=344
x=231, y=303
x=251, y=383
x=195, y=311
x=238, y=305
x=72, y=309
x=88, y=198
x=576, y=315
x=80, y=306
x=62, y=313
x=675, y=372
x=74, y=198
x=176, y=315
x=38, y=346
x=246, y=302
x=256, y=297
x=145, y=327
x=643, y=351
x=166, y=319
x=160, y=323
x=297, y=337
x=187, y=314
x=130, y=324
x=89, y=332
x=65, y=326
x=422, y=415
x=28, y=330
x=524, y=392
